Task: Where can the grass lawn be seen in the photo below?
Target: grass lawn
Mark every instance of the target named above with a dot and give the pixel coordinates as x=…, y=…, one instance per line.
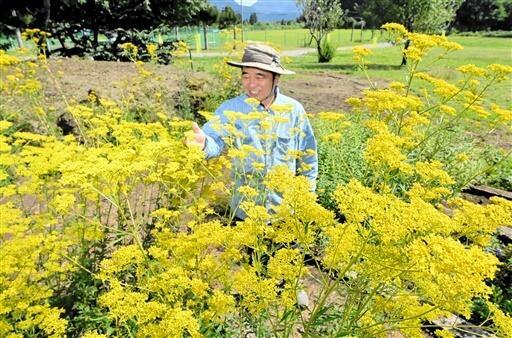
x=284, y=38
x=385, y=63
x=298, y=38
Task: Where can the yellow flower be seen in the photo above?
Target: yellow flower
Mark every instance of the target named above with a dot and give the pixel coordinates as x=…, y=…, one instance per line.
x=448, y=110
x=7, y=60
x=252, y=101
x=359, y=53
x=221, y=304
x=152, y=49
x=432, y=171
x=396, y=27
x=502, y=320
x=437, y=273
x=462, y=157
x=500, y=69
x=397, y=86
x=330, y=116
x=130, y=49
x=384, y=151
x=504, y=115
x=286, y=264
x=248, y=191
x=353, y=101
x=281, y=108
x=473, y=70
x=333, y=137
x=4, y=125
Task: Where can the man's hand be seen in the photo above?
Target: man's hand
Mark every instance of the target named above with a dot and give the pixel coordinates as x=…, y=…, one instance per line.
x=195, y=137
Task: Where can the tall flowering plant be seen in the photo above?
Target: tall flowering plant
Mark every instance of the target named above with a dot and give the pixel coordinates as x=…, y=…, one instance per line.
x=117, y=231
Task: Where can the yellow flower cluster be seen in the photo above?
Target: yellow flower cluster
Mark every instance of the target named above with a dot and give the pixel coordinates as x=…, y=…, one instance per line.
x=130, y=50
x=415, y=242
x=384, y=102
x=384, y=150
x=360, y=53
x=442, y=88
x=420, y=44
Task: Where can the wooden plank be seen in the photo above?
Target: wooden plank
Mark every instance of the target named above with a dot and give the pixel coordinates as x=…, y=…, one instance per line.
x=486, y=191
x=505, y=232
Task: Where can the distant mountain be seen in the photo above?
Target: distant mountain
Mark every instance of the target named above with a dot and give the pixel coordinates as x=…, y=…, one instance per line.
x=266, y=10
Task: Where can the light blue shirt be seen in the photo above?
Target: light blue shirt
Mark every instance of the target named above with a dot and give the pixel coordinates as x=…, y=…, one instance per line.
x=292, y=136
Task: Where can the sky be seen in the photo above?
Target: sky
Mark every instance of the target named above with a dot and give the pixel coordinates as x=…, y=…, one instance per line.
x=266, y=10
x=246, y=2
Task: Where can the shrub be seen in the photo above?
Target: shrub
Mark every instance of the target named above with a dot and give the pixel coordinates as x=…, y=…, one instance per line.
x=327, y=50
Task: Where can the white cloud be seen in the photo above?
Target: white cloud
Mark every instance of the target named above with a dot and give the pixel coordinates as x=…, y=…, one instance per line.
x=246, y=3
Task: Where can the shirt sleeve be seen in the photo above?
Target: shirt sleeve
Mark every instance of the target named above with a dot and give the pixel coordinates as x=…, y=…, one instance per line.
x=214, y=134
x=307, y=163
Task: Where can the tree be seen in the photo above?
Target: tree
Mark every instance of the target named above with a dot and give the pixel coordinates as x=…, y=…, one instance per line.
x=434, y=16
x=476, y=15
x=321, y=17
x=206, y=17
x=253, y=19
x=83, y=21
x=228, y=18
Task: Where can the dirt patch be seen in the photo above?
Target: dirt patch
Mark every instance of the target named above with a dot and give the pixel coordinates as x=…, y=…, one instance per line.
x=323, y=91
x=76, y=77
x=316, y=91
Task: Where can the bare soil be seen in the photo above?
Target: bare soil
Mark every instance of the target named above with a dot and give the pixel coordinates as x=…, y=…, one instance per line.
x=323, y=91
x=316, y=91
x=76, y=77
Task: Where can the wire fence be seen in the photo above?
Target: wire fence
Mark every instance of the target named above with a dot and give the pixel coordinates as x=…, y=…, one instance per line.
x=284, y=38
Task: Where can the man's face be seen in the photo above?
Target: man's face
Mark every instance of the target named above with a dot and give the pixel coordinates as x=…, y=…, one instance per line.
x=257, y=83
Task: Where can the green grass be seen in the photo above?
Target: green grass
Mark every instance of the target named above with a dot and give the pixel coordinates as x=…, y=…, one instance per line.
x=385, y=63
x=298, y=38
x=285, y=39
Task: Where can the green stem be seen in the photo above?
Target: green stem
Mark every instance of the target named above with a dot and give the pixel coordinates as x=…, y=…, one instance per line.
x=456, y=117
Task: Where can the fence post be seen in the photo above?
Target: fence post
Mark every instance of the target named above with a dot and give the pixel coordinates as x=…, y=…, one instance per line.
x=190, y=59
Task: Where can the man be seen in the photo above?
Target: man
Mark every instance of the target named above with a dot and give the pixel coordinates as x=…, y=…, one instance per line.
x=292, y=142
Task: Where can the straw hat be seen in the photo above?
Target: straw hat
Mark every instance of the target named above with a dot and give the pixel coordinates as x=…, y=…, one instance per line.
x=261, y=57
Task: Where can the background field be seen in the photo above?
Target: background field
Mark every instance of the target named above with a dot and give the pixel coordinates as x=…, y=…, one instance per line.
x=286, y=38
x=385, y=63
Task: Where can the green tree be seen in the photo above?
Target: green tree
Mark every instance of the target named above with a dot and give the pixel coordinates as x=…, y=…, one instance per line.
x=228, y=18
x=253, y=19
x=432, y=17
x=476, y=15
x=206, y=17
x=321, y=17
x=83, y=21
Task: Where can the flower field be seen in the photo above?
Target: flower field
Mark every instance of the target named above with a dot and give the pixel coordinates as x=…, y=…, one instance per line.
x=111, y=226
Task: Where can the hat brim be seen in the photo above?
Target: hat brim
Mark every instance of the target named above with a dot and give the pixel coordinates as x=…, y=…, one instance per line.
x=277, y=70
